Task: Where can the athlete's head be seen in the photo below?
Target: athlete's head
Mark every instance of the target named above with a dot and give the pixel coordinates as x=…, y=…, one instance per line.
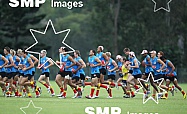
x=6, y=50
x=119, y=57
x=63, y=49
x=131, y=54
x=12, y=52
x=43, y=53
x=160, y=54
x=126, y=51
x=24, y=53
x=125, y=61
x=153, y=54
x=77, y=53
x=100, y=48
x=163, y=58
x=19, y=52
x=144, y=52
x=108, y=54
x=92, y=52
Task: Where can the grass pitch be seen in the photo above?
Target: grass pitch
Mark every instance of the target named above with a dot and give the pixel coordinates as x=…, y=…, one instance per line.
x=52, y=105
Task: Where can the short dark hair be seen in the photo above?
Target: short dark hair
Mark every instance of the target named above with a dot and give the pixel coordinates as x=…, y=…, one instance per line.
x=126, y=49
x=78, y=52
x=93, y=51
x=161, y=53
x=24, y=51
x=124, y=58
x=7, y=48
x=65, y=49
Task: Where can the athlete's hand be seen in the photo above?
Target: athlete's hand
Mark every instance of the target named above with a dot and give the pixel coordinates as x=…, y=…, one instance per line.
x=58, y=62
x=45, y=68
x=1, y=66
x=88, y=64
x=153, y=66
x=158, y=70
x=24, y=69
x=74, y=72
x=15, y=65
x=109, y=70
x=92, y=65
x=67, y=67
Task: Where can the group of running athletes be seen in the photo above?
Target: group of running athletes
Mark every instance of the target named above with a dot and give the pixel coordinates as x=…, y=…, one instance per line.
x=17, y=73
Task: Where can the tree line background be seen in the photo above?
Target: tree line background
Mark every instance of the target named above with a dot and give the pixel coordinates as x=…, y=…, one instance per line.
x=115, y=24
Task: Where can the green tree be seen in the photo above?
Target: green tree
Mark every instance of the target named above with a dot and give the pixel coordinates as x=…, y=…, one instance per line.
x=15, y=22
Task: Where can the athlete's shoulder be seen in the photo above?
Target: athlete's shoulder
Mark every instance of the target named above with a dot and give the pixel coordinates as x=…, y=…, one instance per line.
x=148, y=56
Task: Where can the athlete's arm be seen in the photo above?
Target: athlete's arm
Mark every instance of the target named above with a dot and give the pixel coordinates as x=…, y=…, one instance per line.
x=34, y=58
x=106, y=58
x=11, y=62
x=149, y=62
x=115, y=66
x=73, y=62
x=50, y=63
x=98, y=64
x=79, y=66
x=136, y=64
x=18, y=60
x=31, y=65
x=172, y=66
x=163, y=65
x=5, y=60
x=82, y=63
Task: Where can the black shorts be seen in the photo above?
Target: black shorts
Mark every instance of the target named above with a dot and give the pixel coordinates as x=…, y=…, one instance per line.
x=137, y=76
x=15, y=74
x=68, y=73
x=102, y=71
x=95, y=75
x=46, y=74
x=124, y=82
x=76, y=78
x=147, y=74
x=120, y=75
x=157, y=77
x=130, y=71
x=29, y=76
x=61, y=73
x=82, y=76
x=33, y=72
x=10, y=75
x=171, y=78
x=21, y=74
x=3, y=74
x=111, y=77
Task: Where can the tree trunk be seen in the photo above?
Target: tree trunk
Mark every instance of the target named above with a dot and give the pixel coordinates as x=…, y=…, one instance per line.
x=116, y=14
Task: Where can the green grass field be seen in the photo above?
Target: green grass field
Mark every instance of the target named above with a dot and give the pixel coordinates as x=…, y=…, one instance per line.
x=53, y=105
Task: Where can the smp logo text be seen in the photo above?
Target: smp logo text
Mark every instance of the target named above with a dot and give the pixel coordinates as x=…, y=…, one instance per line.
x=26, y=3
x=105, y=110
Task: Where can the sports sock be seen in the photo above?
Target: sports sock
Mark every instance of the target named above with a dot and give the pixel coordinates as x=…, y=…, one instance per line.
x=61, y=89
x=92, y=91
x=45, y=84
x=51, y=89
x=97, y=92
x=64, y=93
